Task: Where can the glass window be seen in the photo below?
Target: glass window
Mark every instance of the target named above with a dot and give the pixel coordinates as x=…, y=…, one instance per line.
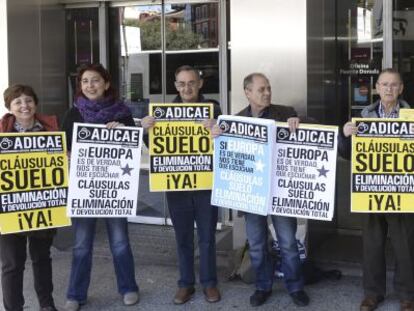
x=135, y=62
x=193, y=44
x=185, y=29
x=403, y=45
x=361, y=53
x=135, y=58
x=82, y=42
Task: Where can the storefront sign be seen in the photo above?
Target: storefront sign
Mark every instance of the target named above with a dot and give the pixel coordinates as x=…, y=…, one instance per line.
x=383, y=166
x=180, y=147
x=242, y=166
x=33, y=181
x=104, y=171
x=304, y=170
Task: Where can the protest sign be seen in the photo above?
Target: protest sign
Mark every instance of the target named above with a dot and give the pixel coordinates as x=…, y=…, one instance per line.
x=304, y=170
x=407, y=114
x=33, y=181
x=242, y=166
x=383, y=166
x=104, y=171
x=180, y=147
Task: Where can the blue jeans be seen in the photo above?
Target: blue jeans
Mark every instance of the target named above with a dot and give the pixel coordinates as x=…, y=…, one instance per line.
x=80, y=274
x=257, y=233
x=186, y=207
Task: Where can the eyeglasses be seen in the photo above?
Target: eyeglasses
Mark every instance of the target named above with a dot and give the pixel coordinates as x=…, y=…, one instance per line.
x=389, y=85
x=181, y=85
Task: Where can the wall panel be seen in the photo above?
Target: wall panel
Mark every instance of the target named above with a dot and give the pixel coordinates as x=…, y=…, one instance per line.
x=269, y=36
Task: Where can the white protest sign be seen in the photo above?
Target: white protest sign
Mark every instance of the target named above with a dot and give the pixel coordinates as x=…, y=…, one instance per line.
x=104, y=171
x=304, y=171
x=242, y=166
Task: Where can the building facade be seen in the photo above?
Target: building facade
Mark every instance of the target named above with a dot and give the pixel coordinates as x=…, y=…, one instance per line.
x=322, y=58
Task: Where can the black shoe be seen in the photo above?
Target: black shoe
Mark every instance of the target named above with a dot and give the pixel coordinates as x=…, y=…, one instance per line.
x=50, y=308
x=259, y=297
x=300, y=298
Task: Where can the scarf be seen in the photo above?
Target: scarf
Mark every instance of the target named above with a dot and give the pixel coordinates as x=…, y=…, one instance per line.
x=102, y=111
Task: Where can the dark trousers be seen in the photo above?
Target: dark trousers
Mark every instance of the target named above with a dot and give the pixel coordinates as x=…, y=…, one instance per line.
x=400, y=228
x=186, y=207
x=13, y=258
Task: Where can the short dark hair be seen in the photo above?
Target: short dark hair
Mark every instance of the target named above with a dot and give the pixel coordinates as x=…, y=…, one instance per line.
x=98, y=68
x=187, y=68
x=391, y=71
x=249, y=79
x=17, y=90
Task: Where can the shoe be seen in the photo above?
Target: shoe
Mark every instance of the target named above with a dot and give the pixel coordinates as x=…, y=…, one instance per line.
x=183, y=295
x=49, y=308
x=71, y=305
x=407, y=305
x=211, y=294
x=300, y=298
x=131, y=298
x=370, y=303
x=259, y=297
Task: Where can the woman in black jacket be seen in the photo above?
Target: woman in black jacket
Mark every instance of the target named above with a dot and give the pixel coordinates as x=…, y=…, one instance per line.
x=96, y=102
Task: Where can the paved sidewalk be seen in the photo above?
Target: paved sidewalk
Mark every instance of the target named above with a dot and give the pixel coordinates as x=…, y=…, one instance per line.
x=156, y=273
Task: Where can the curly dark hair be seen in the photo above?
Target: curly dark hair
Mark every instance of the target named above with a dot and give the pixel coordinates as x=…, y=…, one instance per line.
x=98, y=68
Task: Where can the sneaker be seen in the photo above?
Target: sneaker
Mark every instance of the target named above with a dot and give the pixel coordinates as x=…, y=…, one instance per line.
x=300, y=298
x=71, y=305
x=131, y=298
x=183, y=295
x=259, y=297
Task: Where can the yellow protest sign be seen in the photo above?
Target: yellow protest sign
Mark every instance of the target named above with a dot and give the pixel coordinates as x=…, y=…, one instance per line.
x=407, y=114
x=383, y=166
x=33, y=181
x=180, y=147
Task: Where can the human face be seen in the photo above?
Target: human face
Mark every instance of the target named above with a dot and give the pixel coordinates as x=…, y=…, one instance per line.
x=93, y=86
x=259, y=94
x=389, y=87
x=188, y=86
x=24, y=109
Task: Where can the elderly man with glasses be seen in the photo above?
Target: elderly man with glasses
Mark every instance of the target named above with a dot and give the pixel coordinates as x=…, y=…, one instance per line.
x=185, y=207
x=376, y=227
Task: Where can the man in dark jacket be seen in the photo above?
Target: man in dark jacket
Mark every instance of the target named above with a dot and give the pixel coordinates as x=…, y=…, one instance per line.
x=185, y=207
x=259, y=94
x=376, y=227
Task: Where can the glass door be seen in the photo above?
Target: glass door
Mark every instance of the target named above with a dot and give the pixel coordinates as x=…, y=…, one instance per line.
x=360, y=40
x=148, y=41
x=360, y=26
x=135, y=57
x=82, y=44
x=192, y=38
x=403, y=45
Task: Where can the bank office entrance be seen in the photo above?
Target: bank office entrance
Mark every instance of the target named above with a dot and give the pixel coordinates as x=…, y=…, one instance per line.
x=371, y=35
x=142, y=43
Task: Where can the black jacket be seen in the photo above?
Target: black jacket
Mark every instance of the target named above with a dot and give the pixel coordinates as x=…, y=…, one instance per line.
x=73, y=115
x=273, y=112
x=371, y=111
x=201, y=99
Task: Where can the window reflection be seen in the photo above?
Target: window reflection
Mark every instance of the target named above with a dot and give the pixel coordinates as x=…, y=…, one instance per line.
x=403, y=45
x=188, y=26
x=135, y=33
x=362, y=54
x=191, y=33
